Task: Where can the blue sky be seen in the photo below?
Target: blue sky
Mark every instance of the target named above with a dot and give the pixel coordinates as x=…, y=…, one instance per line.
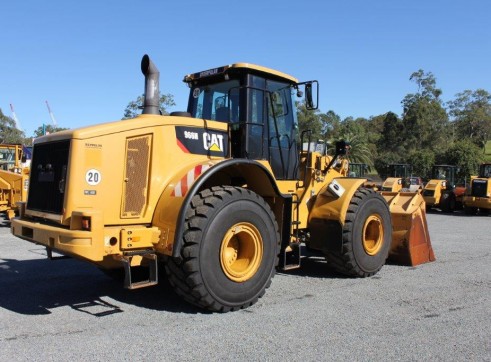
x=83, y=57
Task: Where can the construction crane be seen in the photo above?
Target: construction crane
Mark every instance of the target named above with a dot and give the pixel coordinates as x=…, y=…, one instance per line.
x=17, y=123
x=51, y=115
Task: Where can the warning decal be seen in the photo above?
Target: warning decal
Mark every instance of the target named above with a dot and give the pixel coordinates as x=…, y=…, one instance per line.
x=185, y=183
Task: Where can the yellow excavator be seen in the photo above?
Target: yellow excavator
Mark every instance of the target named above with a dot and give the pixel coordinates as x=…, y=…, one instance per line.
x=220, y=195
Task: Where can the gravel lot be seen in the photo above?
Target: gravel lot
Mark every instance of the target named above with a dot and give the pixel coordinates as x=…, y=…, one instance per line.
x=69, y=310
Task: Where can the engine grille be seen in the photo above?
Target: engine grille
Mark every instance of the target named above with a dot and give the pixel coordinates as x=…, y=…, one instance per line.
x=136, y=176
x=479, y=188
x=48, y=174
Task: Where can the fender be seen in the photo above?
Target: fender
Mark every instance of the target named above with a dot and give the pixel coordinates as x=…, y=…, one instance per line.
x=326, y=220
x=238, y=171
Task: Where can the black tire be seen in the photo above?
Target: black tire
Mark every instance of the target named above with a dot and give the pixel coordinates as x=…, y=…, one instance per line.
x=367, y=235
x=447, y=202
x=229, y=252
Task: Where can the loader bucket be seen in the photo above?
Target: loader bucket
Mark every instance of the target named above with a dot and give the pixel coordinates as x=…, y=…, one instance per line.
x=411, y=243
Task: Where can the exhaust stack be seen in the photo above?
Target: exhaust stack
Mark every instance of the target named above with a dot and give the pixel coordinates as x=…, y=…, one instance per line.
x=152, y=95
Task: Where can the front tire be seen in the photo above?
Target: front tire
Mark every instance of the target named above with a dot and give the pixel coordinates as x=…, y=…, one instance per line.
x=229, y=252
x=367, y=235
x=447, y=202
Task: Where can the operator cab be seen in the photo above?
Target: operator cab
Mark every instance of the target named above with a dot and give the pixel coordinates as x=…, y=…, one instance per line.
x=403, y=170
x=258, y=105
x=485, y=170
x=445, y=172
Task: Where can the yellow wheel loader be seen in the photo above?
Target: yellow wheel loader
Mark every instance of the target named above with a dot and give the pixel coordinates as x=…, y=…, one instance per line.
x=442, y=191
x=221, y=194
x=401, y=179
x=14, y=177
x=479, y=195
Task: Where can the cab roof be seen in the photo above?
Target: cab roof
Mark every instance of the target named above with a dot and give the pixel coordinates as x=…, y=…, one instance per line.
x=245, y=67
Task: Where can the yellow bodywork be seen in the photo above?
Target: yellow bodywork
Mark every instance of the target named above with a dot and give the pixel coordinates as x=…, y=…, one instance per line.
x=392, y=184
x=148, y=208
x=432, y=192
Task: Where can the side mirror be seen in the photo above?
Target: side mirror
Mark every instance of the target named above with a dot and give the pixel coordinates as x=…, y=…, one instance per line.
x=311, y=94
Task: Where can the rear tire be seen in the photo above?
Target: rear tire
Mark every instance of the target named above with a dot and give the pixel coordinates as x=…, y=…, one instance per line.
x=229, y=252
x=367, y=235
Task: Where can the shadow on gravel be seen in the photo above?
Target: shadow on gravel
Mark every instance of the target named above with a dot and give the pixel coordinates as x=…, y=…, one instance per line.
x=34, y=287
x=312, y=265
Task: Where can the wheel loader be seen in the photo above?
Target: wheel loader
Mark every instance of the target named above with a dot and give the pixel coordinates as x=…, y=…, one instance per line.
x=442, y=191
x=400, y=178
x=479, y=195
x=14, y=177
x=221, y=195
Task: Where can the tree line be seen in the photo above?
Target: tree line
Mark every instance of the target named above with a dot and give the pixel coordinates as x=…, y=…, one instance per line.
x=428, y=131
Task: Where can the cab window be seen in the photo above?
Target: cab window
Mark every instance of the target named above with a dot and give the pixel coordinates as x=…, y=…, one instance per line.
x=215, y=101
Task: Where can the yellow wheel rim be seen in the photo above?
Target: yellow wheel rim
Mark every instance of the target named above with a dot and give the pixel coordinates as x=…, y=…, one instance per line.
x=241, y=252
x=373, y=235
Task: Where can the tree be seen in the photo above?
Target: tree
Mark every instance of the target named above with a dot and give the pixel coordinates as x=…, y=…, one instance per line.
x=424, y=118
x=391, y=139
x=8, y=132
x=309, y=120
x=471, y=113
x=331, y=123
x=134, y=108
x=47, y=129
x=465, y=155
x=353, y=132
x=422, y=162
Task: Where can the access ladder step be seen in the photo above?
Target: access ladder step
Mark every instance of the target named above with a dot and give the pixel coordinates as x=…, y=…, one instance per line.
x=152, y=279
x=291, y=257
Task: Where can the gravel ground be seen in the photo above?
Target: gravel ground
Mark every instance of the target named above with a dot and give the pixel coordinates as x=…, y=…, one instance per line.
x=68, y=310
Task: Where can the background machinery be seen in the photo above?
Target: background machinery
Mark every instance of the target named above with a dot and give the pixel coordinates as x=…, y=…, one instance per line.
x=442, y=190
x=14, y=176
x=357, y=169
x=221, y=195
x=479, y=194
x=400, y=178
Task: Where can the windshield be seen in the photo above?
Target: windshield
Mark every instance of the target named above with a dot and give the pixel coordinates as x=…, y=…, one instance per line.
x=212, y=101
x=7, y=158
x=485, y=171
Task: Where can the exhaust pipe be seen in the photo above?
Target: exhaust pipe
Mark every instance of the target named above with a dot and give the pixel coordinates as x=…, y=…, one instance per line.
x=152, y=95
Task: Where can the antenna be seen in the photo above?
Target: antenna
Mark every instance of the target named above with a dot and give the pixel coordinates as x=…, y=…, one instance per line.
x=51, y=114
x=17, y=124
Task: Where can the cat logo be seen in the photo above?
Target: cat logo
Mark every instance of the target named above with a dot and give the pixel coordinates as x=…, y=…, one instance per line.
x=213, y=141
x=201, y=141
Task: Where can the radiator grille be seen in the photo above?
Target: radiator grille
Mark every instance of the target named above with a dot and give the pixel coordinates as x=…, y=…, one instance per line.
x=136, y=176
x=48, y=174
x=479, y=188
